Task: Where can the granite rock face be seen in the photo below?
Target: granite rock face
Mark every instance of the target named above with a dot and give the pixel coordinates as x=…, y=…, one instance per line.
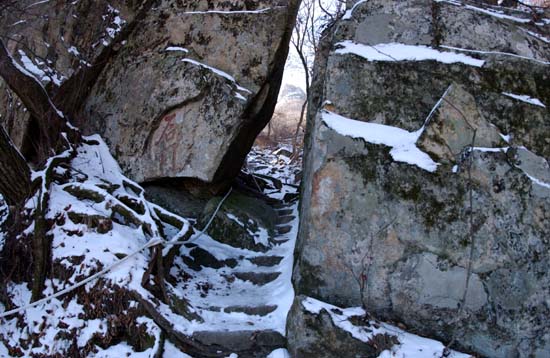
x=193, y=87
x=315, y=335
x=186, y=92
x=471, y=87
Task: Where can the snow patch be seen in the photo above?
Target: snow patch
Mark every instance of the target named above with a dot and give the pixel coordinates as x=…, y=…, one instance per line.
x=525, y=98
x=400, y=52
x=481, y=52
x=538, y=36
x=279, y=353
x=506, y=138
x=410, y=345
x=32, y=68
x=115, y=26
x=349, y=14
x=176, y=48
x=218, y=72
x=402, y=142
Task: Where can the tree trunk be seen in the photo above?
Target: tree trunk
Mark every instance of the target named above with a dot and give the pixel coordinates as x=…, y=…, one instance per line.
x=297, y=132
x=37, y=101
x=15, y=181
x=15, y=177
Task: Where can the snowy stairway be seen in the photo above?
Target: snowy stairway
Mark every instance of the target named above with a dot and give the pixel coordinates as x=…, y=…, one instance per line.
x=239, y=293
x=229, y=290
x=242, y=295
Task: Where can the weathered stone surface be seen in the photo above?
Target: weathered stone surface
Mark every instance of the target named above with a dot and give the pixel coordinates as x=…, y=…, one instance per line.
x=186, y=93
x=243, y=221
x=313, y=335
x=407, y=229
x=453, y=126
x=248, y=344
x=192, y=113
x=53, y=39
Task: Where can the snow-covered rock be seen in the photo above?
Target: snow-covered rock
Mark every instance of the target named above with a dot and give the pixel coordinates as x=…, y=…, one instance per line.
x=185, y=94
x=401, y=87
x=52, y=41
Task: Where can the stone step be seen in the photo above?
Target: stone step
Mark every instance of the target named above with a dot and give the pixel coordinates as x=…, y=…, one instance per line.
x=265, y=261
x=285, y=219
x=283, y=212
x=278, y=242
x=291, y=197
x=281, y=230
x=257, y=278
x=247, y=344
x=263, y=310
x=201, y=258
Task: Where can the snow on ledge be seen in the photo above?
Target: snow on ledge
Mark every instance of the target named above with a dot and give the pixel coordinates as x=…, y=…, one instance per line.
x=497, y=53
x=491, y=12
x=400, y=52
x=403, y=142
x=176, y=49
x=349, y=14
x=217, y=72
x=410, y=345
x=525, y=98
x=227, y=12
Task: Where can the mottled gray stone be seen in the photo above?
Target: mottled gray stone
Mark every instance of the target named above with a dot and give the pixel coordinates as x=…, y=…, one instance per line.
x=411, y=226
x=313, y=335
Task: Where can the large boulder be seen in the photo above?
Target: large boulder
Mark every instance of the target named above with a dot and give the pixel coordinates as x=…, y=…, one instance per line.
x=399, y=213
x=318, y=332
x=193, y=87
x=186, y=92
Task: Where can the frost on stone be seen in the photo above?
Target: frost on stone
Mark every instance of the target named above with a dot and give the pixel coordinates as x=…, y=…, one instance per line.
x=393, y=52
x=410, y=345
x=402, y=142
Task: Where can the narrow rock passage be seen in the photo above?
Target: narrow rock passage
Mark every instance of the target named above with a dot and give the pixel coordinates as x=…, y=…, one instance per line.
x=239, y=279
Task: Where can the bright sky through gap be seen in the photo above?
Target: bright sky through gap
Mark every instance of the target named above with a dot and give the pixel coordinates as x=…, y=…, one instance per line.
x=294, y=72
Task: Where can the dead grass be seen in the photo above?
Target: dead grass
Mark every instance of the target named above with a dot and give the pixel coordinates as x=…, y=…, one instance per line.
x=283, y=125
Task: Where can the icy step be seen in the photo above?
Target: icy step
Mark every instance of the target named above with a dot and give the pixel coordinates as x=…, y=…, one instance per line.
x=283, y=212
x=285, y=219
x=248, y=343
x=257, y=278
x=279, y=206
x=263, y=310
x=200, y=258
x=283, y=229
x=279, y=241
x=265, y=261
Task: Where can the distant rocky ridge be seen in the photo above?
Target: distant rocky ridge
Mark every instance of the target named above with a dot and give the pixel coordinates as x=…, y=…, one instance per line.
x=395, y=197
x=290, y=92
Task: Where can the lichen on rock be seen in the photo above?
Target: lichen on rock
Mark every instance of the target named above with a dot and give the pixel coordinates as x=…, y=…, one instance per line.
x=413, y=230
